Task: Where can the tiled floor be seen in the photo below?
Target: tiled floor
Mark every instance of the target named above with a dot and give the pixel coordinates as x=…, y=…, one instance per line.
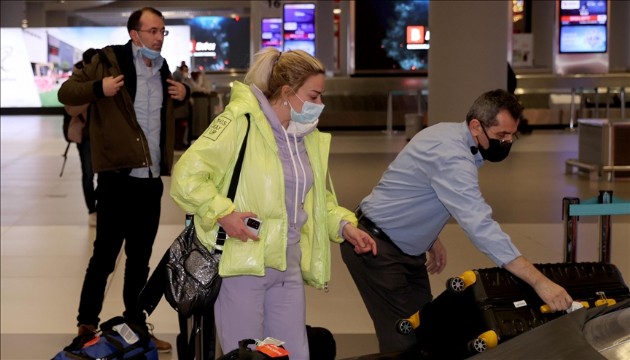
x=46, y=241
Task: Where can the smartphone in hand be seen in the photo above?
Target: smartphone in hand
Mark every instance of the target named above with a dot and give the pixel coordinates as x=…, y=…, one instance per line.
x=253, y=224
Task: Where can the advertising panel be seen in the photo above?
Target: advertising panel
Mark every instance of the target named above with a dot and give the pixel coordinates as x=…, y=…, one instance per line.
x=391, y=36
x=271, y=33
x=299, y=27
x=583, y=27
x=219, y=43
x=36, y=61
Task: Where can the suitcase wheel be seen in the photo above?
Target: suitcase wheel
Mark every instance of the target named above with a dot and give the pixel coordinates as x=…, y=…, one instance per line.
x=460, y=283
x=477, y=346
x=407, y=326
x=487, y=340
x=455, y=285
x=404, y=326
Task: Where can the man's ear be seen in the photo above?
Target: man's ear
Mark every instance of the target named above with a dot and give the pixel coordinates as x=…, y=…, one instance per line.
x=133, y=34
x=475, y=127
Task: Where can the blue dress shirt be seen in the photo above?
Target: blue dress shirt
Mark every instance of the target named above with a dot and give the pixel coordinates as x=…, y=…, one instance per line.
x=148, y=108
x=433, y=178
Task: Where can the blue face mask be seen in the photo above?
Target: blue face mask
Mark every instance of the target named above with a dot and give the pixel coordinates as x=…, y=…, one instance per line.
x=149, y=53
x=310, y=112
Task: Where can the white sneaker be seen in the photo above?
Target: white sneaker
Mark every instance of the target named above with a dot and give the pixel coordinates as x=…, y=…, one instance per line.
x=92, y=220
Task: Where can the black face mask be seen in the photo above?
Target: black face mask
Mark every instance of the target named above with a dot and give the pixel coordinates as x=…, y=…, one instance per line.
x=497, y=150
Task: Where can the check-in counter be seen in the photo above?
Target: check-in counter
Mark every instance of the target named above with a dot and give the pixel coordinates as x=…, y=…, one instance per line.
x=383, y=102
x=552, y=100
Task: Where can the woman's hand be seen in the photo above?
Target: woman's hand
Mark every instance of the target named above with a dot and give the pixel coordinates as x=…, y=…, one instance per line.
x=234, y=225
x=437, y=258
x=361, y=241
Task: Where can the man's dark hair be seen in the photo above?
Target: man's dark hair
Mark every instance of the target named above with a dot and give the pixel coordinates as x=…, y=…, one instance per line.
x=489, y=104
x=134, y=19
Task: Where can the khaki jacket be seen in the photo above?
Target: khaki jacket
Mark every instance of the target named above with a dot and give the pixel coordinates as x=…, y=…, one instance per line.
x=118, y=143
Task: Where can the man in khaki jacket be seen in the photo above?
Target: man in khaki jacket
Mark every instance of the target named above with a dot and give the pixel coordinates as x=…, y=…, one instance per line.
x=132, y=134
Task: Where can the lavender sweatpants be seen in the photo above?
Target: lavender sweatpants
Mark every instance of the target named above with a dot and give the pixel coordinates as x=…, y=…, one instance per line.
x=253, y=307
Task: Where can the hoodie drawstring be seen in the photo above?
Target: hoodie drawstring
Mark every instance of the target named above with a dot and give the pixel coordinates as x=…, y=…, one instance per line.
x=295, y=171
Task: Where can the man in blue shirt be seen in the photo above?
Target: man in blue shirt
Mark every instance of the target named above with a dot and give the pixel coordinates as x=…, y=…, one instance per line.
x=433, y=178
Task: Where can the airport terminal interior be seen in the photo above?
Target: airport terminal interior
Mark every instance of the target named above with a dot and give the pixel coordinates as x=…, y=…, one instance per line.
x=46, y=240
x=577, y=145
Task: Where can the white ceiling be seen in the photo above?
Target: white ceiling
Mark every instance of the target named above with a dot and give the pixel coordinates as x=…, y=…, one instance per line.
x=116, y=12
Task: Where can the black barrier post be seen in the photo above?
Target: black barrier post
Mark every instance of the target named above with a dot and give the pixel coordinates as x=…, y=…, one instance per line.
x=570, y=229
x=605, y=197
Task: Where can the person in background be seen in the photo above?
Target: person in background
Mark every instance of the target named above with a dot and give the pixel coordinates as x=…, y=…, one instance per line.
x=199, y=80
x=132, y=95
x=282, y=183
x=511, y=79
x=182, y=74
x=178, y=74
x=185, y=115
x=183, y=111
x=79, y=114
x=434, y=178
x=523, y=124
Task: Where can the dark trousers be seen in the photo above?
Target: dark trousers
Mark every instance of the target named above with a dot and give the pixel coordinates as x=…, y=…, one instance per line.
x=129, y=213
x=87, y=175
x=393, y=286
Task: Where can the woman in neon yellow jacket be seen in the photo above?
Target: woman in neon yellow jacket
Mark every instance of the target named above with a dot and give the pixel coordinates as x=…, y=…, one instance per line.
x=283, y=183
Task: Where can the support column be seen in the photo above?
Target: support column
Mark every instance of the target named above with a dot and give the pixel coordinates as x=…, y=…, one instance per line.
x=468, y=55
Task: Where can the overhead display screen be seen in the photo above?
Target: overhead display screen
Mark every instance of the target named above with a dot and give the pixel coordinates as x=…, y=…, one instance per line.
x=583, y=26
x=271, y=33
x=299, y=27
x=391, y=36
x=219, y=43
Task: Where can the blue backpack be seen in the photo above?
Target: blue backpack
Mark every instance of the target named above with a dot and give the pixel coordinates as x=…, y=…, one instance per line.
x=108, y=344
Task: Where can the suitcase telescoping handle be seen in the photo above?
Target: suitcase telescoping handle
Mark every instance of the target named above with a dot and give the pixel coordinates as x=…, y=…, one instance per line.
x=603, y=300
x=545, y=309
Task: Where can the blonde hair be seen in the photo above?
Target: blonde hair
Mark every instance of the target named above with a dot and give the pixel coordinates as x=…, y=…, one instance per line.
x=273, y=69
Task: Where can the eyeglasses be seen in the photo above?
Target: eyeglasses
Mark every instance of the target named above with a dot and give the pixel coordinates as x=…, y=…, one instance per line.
x=503, y=141
x=155, y=31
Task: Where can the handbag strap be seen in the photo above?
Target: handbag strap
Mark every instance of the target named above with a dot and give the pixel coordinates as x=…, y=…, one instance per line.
x=221, y=234
x=238, y=165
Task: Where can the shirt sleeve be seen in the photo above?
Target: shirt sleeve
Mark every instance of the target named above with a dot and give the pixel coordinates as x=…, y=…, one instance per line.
x=456, y=183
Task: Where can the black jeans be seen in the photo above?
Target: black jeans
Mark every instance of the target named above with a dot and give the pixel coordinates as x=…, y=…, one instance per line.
x=129, y=212
x=87, y=175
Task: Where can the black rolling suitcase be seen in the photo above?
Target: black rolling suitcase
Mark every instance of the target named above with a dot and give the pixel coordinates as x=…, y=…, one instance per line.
x=485, y=307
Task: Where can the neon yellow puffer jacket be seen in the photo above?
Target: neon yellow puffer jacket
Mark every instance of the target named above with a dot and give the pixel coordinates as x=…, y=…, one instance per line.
x=202, y=176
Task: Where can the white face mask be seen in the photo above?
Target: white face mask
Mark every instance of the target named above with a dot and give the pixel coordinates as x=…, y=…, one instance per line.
x=148, y=52
x=310, y=112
